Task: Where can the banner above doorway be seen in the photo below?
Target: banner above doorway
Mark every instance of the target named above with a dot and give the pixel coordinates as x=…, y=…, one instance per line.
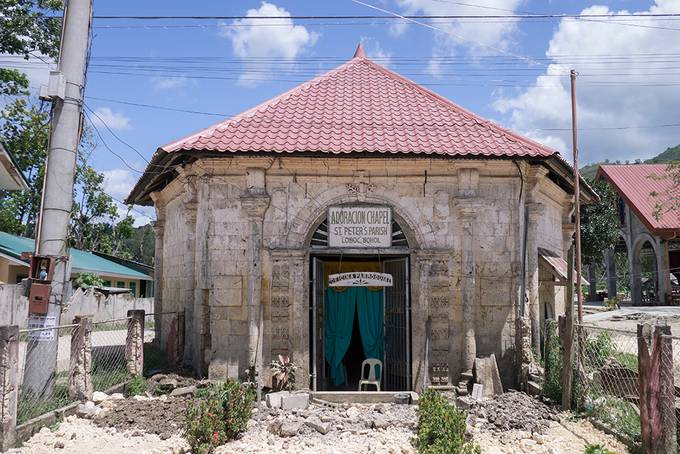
x=360, y=279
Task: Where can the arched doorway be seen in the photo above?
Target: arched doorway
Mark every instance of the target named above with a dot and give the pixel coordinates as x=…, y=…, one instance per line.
x=645, y=274
x=351, y=324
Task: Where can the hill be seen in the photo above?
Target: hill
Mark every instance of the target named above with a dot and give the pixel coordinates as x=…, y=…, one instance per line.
x=671, y=154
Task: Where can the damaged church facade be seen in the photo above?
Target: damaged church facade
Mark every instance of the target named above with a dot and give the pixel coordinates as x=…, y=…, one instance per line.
x=358, y=216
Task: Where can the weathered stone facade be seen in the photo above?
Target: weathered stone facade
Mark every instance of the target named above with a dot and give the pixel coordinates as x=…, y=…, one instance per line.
x=233, y=251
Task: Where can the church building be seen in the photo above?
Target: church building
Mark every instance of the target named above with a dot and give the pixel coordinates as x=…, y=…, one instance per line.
x=358, y=216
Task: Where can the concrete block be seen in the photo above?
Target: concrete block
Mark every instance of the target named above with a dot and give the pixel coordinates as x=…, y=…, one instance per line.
x=295, y=401
x=274, y=399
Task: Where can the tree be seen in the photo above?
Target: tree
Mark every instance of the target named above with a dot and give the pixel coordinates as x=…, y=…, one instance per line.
x=94, y=223
x=668, y=202
x=25, y=131
x=26, y=29
x=599, y=223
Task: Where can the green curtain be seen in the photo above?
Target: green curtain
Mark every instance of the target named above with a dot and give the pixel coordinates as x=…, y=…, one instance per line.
x=338, y=322
x=371, y=322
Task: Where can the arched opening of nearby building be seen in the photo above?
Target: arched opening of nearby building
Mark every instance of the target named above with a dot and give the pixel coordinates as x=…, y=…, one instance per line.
x=353, y=315
x=618, y=272
x=646, y=273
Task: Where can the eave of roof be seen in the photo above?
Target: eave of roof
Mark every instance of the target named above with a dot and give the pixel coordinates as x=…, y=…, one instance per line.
x=634, y=184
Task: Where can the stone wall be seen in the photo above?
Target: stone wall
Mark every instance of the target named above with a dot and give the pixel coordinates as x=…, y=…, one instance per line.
x=240, y=263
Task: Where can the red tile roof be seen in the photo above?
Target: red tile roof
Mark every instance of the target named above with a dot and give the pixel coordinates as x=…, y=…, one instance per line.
x=361, y=107
x=636, y=183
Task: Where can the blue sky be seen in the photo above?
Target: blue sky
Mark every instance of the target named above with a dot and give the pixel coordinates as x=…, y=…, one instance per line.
x=510, y=72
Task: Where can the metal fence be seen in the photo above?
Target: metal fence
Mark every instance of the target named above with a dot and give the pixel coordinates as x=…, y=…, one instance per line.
x=109, y=368
x=44, y=355
x=606, y=379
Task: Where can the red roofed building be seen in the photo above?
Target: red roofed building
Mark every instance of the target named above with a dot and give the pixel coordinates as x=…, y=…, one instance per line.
x=358, y=171
x=650, y=227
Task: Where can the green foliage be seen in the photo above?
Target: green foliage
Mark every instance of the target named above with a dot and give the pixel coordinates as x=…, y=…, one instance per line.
x=669, y=155
x=667, y=203
x=441, y=427
x=599, y=223
x=25, y=30
x=88, y=280
x=596, y=449
x=140, y=244
x=618, y=414
x=552, y=386
x=136, y=386
x=221, y=415
x=611, y=303
x=25, y=131
x=283, y=371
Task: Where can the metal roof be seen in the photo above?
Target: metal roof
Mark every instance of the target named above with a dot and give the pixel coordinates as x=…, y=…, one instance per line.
x=81, y=261
x=360, y=107
x=637, y=184
x=11, y=177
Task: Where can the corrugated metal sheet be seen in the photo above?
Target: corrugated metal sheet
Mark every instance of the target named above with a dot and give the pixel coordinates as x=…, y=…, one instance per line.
x=361, y=107
x=637, y=183
x=559, y=265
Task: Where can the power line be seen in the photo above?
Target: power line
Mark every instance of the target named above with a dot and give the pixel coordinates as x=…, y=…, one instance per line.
x=385, y=17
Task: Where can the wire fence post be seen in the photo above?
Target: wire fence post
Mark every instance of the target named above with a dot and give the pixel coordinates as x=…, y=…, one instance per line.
x=134, y=343
x=9, y=365
x=657, y=391
x=80, y=365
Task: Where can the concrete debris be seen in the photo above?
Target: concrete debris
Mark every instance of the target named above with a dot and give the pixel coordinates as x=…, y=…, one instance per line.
x=290, y=428
x=513, y=411
x=184, y=391
x=295, y=401
x=485, y=371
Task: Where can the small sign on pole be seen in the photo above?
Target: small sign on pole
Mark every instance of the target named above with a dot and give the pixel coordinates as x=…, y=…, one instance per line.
x=42, y=335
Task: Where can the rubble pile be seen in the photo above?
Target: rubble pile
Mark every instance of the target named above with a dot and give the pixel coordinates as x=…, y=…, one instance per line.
x=512, y=411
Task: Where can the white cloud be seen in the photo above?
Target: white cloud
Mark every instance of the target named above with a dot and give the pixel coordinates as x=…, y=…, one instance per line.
x=250, y=40
x=376, y=52
x=107, y=117
x=475, y=37
x=169, y=83
x=118, y=183
x=610, y=93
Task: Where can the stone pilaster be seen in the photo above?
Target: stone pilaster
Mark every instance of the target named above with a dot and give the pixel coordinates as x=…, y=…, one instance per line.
x=467, y=213
x=159, y=237
x=535, y=211
x=254, y=205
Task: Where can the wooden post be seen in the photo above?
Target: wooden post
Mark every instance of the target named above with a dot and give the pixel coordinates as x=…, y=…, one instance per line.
x=657, y=390
x=9, y=389
x=80, y=368
x=568, y=334
x=134, y=343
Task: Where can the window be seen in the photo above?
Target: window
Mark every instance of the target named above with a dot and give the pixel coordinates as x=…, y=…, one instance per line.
x=133, y=287
x=107, y=284
x=120, y=284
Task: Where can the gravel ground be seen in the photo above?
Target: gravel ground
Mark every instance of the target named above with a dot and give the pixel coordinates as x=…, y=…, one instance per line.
x=151, y=425
x=566, y=437
x=80, y=436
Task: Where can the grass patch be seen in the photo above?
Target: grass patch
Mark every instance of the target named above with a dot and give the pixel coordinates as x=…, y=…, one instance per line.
x=618, y=414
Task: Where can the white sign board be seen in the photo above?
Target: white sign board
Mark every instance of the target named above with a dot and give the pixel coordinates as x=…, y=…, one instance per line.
x=36, y=321
x=360, y=279
x=360, y=226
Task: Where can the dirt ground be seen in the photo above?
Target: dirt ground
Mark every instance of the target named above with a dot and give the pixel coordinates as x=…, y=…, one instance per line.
x=153, y=425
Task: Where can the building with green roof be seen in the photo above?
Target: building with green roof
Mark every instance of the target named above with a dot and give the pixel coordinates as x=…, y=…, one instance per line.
x=119, y=273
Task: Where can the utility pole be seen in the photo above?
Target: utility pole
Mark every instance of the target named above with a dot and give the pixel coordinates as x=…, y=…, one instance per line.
x=577, y=198
x=66, y=89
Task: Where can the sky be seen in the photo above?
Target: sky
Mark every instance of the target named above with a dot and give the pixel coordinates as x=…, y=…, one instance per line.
x=514, y=72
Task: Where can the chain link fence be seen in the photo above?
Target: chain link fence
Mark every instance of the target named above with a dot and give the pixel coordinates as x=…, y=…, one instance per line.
x=109, y=367
x=671, y=375
x=44, y=356
x=606, y=379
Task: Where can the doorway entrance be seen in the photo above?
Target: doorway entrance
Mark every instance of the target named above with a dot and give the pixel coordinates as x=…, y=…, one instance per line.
x=351, y=324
